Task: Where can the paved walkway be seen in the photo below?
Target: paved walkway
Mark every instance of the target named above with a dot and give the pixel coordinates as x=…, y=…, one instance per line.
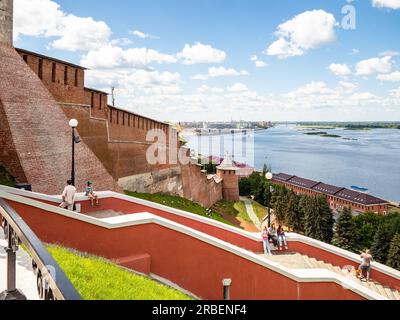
x=26, y=280
x=251, y=213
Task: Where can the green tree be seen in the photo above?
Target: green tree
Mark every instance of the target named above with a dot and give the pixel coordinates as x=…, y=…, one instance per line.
x=211, y=168
x=392, y=222
x=305, y=208
x=318, y=219
x=255, y=180
x=266, y=168
x=344, y=233
x=293, y=213
x=279, y=202
x=280, y=209
x=245, y=187
x=329, y=222
x=365, y=227
x=394, y=253
x=259, y=193
x=381, y=244
x=279, y=190
x=310, y=209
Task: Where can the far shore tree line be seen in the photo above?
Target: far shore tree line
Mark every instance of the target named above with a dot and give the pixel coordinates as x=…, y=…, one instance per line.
x=312, y=217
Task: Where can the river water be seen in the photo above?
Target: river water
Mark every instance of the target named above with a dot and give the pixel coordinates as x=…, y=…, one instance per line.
x=363, y=158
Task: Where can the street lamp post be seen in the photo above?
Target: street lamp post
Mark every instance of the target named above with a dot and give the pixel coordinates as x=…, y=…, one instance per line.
x=73, y=124
x=269, y=176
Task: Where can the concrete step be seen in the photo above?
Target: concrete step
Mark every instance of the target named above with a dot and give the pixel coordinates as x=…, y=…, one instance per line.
x=307, y=261
x=322, y=265
x=376, y=287
x=380, y=289
x=314, y=263
x=389, y=293
x=298, y=261
x=338, y=270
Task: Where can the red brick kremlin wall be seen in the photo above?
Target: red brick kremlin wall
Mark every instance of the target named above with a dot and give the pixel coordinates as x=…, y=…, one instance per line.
x=117, y=137
x=200, y=187
x=36, y=103
x=35, y=140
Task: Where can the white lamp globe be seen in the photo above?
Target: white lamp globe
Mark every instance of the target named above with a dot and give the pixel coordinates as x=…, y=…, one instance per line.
x=269, y=176
x=73, y=123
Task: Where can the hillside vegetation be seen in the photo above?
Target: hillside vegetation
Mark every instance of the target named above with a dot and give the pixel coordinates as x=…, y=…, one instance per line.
x=178, y=203
x=98, y=279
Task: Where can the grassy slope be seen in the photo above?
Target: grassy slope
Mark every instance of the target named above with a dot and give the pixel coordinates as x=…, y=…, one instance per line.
x=234, y=209
x=260, y=210
x=177, y=203
x=98, y=279
x=242, y=211
x=238, y=209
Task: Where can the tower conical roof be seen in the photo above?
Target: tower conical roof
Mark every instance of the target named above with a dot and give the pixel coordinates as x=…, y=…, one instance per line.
x=228, y=164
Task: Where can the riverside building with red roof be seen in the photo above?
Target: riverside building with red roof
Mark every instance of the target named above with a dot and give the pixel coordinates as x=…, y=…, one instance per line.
x=338, y=197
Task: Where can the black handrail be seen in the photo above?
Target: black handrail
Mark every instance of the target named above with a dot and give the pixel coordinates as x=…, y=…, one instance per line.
x=52, y=283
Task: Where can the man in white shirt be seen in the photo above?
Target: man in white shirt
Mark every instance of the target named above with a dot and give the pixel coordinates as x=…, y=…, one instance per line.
x=68, y=196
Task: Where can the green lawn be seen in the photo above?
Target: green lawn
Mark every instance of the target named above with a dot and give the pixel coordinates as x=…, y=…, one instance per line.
x=177, y=203
x=234, y=209
x=240, y=207
x=260, y=210
x=98, y=279
x=5, y=178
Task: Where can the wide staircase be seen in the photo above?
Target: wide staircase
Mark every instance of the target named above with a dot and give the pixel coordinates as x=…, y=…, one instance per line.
x=298, y=261
x=104, y=214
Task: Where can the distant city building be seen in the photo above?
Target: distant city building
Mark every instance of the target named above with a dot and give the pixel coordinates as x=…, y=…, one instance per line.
x=221, y=125
x=338, y=197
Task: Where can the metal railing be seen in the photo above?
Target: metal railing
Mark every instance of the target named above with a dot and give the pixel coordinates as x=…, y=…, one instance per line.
x=52, y=284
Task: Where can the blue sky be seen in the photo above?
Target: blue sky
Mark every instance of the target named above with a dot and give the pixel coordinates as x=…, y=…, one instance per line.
x=309, y=66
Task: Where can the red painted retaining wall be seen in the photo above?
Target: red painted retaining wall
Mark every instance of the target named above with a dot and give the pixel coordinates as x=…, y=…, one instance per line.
x=128, y=207
x=191, y=263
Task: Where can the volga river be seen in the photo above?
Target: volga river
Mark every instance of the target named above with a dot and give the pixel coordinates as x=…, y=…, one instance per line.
x=364, y=158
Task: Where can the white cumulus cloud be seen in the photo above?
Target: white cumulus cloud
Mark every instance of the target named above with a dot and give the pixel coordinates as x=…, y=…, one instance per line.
x=394, y=76
x=108, y=57
x=216, y=72
x=238, y=87
x=341, y=70
x=205, y=89
x=44, y=18
x=391, y=4
x=200, y=54
x=318, y=94
x=395, y=93
x=308, y=30
x=142, y=35
x=374, y=65
x=348, y=86
x=258, y=62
